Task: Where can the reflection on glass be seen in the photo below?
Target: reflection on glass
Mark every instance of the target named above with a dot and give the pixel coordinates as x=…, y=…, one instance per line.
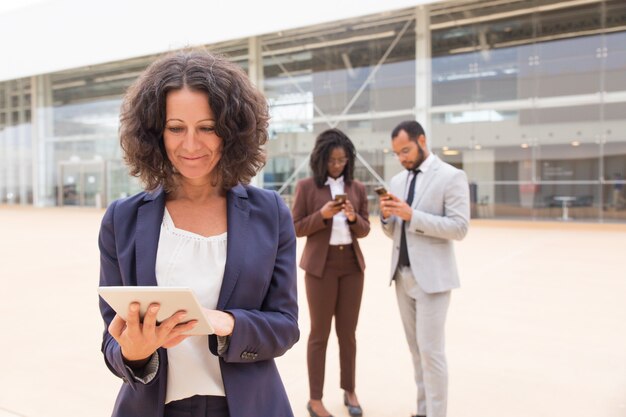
x=92, y=178
x=574, y=161
x=71, y=188
x=351, y=75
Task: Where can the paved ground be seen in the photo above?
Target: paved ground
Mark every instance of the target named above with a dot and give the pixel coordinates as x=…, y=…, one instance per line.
x=538, y=327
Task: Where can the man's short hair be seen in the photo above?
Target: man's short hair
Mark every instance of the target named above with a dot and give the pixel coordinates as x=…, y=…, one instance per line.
x=411, y=127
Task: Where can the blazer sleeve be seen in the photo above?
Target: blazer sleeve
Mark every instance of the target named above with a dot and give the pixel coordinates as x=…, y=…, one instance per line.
x=389, y=225
x=272, y=330
x=454, y=222
x=361, y=227
x=306, y=222
x=109, y=276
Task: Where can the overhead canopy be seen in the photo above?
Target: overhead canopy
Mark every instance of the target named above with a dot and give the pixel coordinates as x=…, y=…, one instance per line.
x=44, y=36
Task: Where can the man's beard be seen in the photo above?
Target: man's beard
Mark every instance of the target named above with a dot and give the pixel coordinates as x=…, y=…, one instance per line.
x=420, y=158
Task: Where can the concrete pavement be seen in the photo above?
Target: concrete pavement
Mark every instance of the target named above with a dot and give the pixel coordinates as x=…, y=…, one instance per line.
x=538, y=327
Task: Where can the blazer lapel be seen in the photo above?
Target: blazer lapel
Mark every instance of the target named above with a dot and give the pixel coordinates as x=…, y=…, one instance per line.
x=427, y=181
x=326, y=195
x=238, y=214
x=347, y=189
x=149, y=219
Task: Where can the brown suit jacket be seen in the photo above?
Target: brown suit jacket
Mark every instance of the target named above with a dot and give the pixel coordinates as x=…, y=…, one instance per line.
x=308, y=221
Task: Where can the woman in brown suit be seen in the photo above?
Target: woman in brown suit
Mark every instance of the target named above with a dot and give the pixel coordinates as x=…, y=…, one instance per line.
x=330, y=209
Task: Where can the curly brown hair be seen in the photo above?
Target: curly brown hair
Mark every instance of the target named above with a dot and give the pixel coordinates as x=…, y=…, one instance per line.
x=241, y=118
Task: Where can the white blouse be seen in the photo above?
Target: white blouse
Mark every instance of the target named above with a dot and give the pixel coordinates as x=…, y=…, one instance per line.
x=186, y=259
x=340, y=233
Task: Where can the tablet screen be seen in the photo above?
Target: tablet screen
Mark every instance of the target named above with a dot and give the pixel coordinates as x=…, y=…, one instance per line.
x=171, y=300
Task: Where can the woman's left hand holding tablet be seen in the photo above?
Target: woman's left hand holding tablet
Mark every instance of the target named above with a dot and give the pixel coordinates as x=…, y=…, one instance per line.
x=139, y=340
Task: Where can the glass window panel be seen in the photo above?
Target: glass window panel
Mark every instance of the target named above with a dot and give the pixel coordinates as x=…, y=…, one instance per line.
x=540, y=54
x=615, y=62
x=576, y=161
x=498, y=70
x=334, y=75
x=614, y=161
x=15, y=143
x=454, y=79
x=569, y=66
x=84, y=131
x=614, y=189
x=475, y=63
x=119, y=183
x=568, y=201
x=570, y=115
x=562, y=202
x=615, y=113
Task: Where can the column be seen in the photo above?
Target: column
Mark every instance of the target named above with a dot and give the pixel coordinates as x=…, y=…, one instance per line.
x=41, y=117
x=423, y=93
x=255, y=72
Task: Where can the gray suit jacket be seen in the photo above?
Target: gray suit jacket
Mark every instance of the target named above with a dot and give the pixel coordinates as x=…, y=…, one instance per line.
x=441, y=213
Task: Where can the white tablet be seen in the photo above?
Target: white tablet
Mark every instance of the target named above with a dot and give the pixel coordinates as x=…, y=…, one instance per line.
x=171, y=300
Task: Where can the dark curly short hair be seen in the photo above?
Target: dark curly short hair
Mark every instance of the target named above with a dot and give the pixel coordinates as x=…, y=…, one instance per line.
x=412, y=128
x=324, y=145
x=241, y=118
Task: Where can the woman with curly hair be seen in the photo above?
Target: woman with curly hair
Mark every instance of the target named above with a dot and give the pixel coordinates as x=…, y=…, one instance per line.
x=192, y=127
x=330, y=209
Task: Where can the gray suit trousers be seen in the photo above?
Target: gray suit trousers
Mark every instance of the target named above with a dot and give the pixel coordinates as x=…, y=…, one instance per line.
x=424, y=317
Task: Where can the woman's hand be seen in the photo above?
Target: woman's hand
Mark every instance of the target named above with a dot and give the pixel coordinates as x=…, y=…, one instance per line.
x=331, y=208
x=139, y=340
x=349, y=211
x=223, y=323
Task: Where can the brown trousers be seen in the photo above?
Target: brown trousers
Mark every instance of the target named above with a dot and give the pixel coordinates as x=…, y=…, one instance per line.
x=337, y=293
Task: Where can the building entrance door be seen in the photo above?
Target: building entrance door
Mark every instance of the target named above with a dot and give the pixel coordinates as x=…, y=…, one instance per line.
x=81, y=183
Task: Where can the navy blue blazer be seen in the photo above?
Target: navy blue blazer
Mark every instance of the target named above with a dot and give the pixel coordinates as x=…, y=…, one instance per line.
x=259, y=290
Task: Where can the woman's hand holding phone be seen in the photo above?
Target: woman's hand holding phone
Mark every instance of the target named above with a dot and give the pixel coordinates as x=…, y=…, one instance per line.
x=349, y=211
x=330, y=209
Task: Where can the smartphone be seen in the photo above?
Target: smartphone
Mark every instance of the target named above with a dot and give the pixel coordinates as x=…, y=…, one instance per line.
x=381, y=191
x=340, y=198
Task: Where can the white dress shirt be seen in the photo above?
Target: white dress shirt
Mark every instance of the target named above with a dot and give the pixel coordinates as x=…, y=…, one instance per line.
x=186, y=259
x=340, y=234
x=424, y=166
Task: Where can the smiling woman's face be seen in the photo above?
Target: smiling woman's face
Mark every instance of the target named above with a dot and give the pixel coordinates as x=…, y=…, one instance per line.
x=191, y=144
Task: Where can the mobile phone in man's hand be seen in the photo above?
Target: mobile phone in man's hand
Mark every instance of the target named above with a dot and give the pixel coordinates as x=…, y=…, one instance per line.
x=382, y=192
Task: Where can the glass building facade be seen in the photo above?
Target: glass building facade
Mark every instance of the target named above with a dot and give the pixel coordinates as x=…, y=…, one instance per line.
x=528, y=97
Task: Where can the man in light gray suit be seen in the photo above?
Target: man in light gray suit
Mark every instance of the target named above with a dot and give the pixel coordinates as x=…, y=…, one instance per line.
x=426, y=209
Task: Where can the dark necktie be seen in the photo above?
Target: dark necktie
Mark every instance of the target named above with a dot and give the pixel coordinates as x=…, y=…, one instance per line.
x=403, y=258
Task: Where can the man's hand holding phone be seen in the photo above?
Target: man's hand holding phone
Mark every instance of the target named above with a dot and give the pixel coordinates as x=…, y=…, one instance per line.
x=391, y=205
x=382, y=193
